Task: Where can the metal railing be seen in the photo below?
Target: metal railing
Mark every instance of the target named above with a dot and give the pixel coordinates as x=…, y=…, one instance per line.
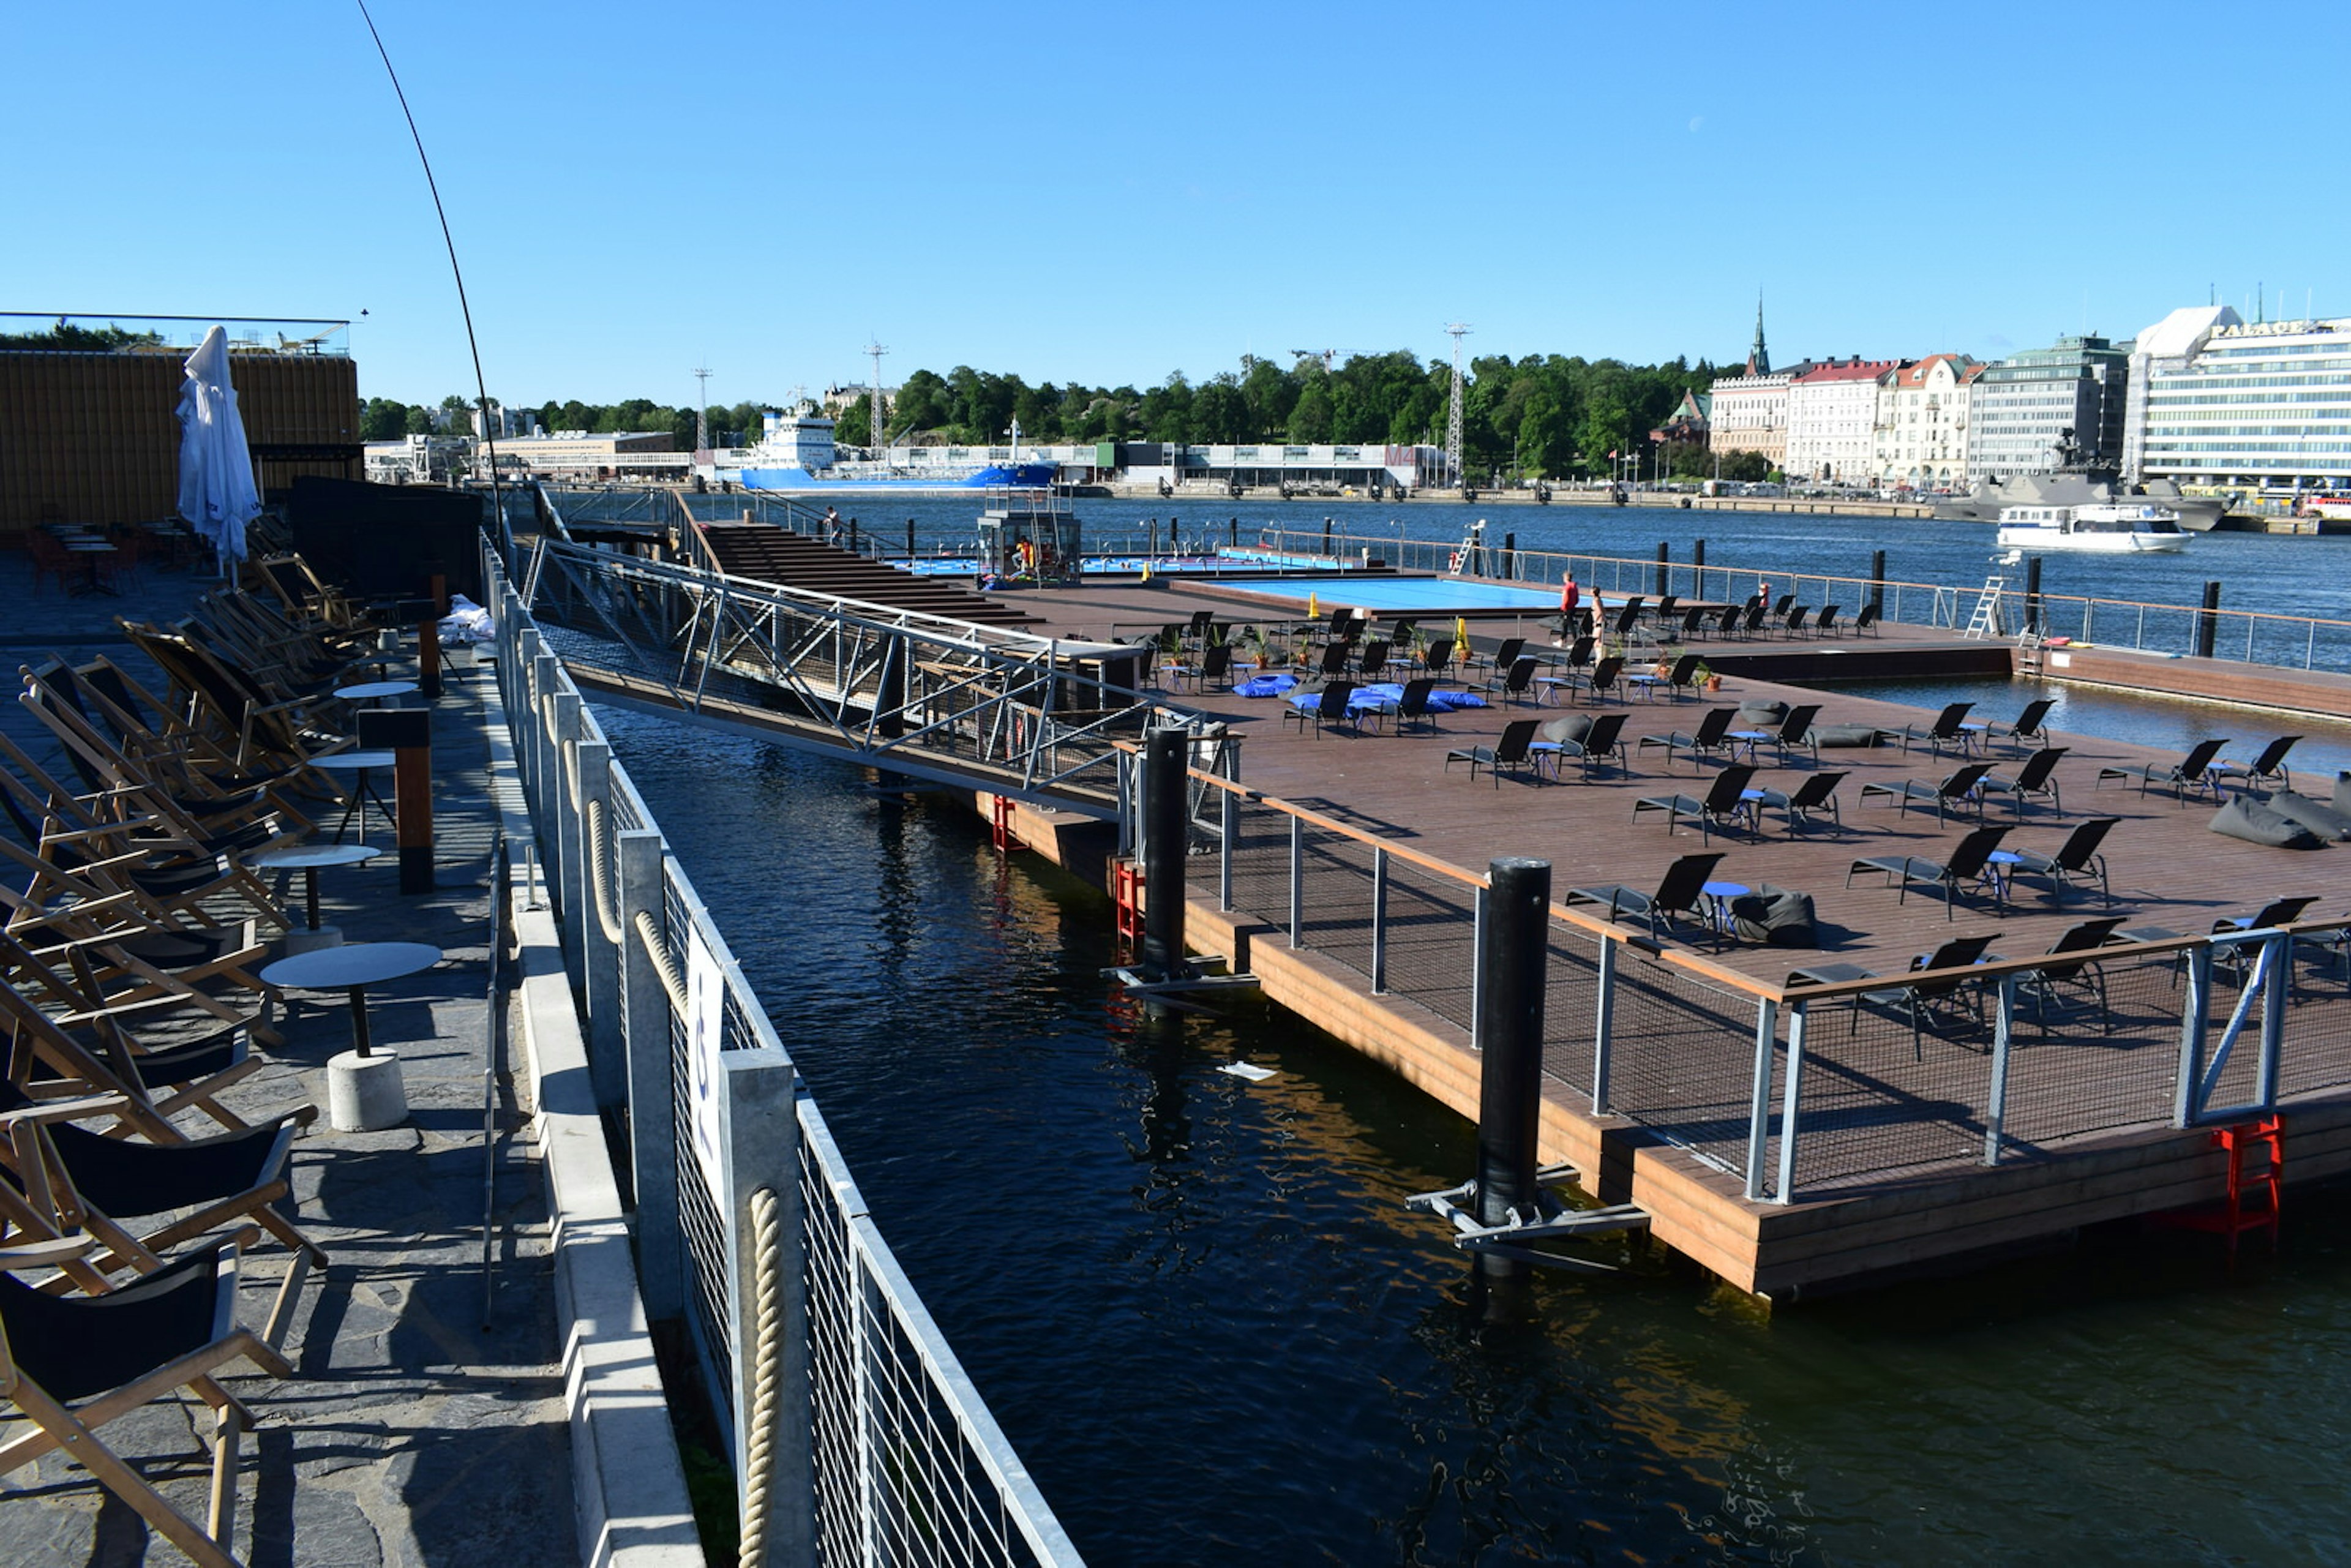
x=2303, y=642
x=854, y=1434
x=1808, y=1091
x=922, y=695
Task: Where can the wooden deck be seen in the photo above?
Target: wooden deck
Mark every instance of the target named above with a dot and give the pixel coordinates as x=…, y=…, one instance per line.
x=1905, y=1122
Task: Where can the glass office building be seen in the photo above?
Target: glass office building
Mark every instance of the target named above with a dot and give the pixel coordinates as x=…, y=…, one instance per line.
x=2266, y=404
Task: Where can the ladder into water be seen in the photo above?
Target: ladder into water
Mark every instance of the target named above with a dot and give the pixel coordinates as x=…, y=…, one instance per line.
x=1988, y=621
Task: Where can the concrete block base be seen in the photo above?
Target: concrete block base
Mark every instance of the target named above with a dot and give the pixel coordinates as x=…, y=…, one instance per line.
x=302, y=940
x=365, y=1093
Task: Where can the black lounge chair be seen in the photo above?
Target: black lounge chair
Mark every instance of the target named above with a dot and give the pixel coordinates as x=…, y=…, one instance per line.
x=1600, y=739
x=2032, y=779
x=1794, y=729
x=1957, y=789
x=1510, y=752
x=1628, y=616
x=1725, y=804
x=2052, y=989
x=1332, y=708
x=2030, y=726
x=72, y=1363
x=1970, y=861
x=2276, y=913
x=1732, y=614
x=1817, y=790
x=1413, y=703
x=1371, y=664
x=1941, y=989
x=1681, y=890
x=1214, y=665
x=1437, y=657
x=2193, y=771
x=1865, y=624
x=1695, y=622
x=1794, y=626
x=1336, y=657
x=2077, y=856
x=1520, y=678
x=2269, y=768
x=1824, y=624
x=1949, y=728
x=1712, y=737
x=1752, y=623
x=1505, y=655
x=1604, y=681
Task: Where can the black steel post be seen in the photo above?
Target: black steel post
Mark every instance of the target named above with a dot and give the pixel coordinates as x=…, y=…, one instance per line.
x=2033, y=594
x=910, y=539
x=1326, y=536
x=1511, y=951
x=1153, y=552
x=1665, y=566
x=1511, y=557
x=2208, y=621
x=1697, y=568
x=1233, y=533
x=1878, y=579
x=1165, y=838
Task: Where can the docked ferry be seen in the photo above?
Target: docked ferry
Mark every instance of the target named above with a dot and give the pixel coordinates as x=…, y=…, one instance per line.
x=2102, y=528
x=796, y=455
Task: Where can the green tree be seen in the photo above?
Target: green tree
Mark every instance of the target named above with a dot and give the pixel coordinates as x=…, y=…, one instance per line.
x=1220, y=413
x=383, y=419
x=1269, y=393
x=1310, y=418
x=853, y=425
x=1166, y=412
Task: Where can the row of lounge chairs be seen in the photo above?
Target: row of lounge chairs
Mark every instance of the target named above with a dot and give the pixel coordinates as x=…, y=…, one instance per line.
x=132, y=1182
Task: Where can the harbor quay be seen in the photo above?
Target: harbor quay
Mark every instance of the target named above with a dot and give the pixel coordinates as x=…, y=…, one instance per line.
x=1793, y=1118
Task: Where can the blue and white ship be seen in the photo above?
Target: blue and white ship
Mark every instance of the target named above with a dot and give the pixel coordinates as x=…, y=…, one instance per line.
x=796, y=455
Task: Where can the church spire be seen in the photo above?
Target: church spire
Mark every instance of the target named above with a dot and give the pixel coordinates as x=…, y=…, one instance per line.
x=1759, y=358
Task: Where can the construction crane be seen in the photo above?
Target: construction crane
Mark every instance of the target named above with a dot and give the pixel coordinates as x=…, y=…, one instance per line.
x=701, y=409
x=1325, y=355
x=1459, y=329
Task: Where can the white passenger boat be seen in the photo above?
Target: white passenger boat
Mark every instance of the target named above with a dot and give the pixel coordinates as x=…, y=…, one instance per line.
x=2105, y=528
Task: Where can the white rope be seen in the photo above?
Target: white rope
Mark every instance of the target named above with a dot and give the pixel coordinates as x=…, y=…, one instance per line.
x=766, y=1374
x=663, y=964
x=600, y=877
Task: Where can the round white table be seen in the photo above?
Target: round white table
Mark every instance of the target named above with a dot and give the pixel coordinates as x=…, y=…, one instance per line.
x=359, y=762
x=377, y=691
x=353, y=968
x=306, y=858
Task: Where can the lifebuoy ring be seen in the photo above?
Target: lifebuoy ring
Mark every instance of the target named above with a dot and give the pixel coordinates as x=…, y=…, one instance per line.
x=1454, y=564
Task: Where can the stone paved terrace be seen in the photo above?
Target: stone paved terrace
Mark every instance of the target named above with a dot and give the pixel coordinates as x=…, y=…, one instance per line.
x=411, y=1433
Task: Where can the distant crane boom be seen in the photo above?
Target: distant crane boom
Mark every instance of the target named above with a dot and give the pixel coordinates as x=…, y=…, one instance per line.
x=1459, y=329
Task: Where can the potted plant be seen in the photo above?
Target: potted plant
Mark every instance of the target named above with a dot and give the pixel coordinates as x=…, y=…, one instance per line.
x=1703, y=673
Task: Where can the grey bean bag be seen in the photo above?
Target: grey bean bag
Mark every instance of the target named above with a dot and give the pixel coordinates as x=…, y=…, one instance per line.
x=2327, y=821
x=2246, y=818
x=1776, y=917
x=1759, y=712
x=1846, y=735
x=2343, y=792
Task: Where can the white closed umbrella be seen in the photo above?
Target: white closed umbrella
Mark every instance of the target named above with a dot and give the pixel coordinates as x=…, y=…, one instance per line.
x=216, y=493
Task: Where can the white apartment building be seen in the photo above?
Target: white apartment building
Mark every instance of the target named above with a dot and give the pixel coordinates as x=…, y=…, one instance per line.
x=1750, y=414
x=1832, y=418
x=2216, y=401
x=1921, y=434
x=2022, y=407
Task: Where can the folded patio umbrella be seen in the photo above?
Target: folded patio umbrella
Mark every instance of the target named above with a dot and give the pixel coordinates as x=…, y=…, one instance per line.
x=216, y=492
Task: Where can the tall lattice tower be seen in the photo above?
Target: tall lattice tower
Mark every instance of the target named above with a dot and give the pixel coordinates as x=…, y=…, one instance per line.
x=1459, y=329
x=874, y=436
x=701, y=409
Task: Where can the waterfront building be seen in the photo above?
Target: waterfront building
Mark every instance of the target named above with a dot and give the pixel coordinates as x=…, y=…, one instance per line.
x=583, y=453
x=1921, y=434
x=2022, y=406
x=1689, y=424
x=1749, y=412
x=1833, y=418
x=2217, y=401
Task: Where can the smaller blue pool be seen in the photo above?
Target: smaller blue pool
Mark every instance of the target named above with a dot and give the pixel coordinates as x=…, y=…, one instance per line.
x=1394, y=593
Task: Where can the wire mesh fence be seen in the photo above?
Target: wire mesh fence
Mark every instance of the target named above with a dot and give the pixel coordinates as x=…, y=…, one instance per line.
x=892, y=1456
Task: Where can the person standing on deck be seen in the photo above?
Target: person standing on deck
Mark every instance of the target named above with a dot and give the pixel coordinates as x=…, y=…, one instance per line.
x=1570, y=596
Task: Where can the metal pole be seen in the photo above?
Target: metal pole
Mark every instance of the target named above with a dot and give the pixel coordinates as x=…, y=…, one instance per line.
x=1379, y=920
x=2194, y=1004
x=2207, y=622
x=652, y=1097
x=1229, y=812
x=2033, y=594
x=1788, y=1101
x=1698, y=569
x=1603, y=1026
x=2277, y=995
x=1759, y=1108
x=1878, y=579
x=1165, y=838
x=1297, y=882
x=1665, y=566
x=2003, y=1036
x=1509, y=1001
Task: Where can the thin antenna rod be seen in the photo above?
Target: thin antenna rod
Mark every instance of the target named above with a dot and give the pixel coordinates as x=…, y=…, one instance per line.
x=481, y=388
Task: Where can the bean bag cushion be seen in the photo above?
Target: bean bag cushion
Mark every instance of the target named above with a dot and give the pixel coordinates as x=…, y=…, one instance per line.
x=1846, y=735
x=1763, y=711
x=1776, y=917
x=1574, y=726
x=2319, y=817
x=2247, y=819
x=2343, y=792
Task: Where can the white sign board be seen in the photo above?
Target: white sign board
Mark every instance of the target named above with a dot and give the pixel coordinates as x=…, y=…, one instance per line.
x=705, y=1012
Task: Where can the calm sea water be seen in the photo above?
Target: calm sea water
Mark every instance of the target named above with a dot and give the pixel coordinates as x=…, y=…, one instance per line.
x=1204, y=1316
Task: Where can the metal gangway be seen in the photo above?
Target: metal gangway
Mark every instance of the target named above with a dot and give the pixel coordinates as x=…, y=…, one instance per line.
x=944, y=701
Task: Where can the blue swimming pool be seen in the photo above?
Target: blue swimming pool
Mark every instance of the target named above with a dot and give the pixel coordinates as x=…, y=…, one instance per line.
x=1395, y=593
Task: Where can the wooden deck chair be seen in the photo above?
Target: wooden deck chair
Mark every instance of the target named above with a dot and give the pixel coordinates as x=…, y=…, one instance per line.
x=72, y=1364
x=49, y=1057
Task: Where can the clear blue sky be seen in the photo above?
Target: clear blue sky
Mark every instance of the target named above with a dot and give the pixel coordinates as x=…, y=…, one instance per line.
x=1109, y=193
